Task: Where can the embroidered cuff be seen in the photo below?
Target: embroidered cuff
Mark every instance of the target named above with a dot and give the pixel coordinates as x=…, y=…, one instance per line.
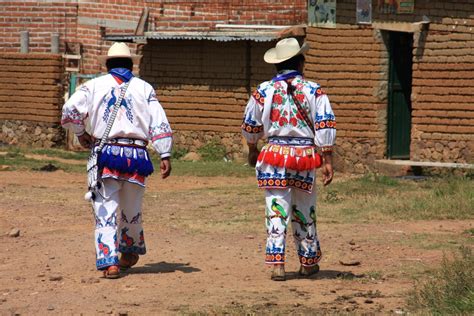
x=326, y=149
x=165, y=155
x=80, y=133
x=252, y=129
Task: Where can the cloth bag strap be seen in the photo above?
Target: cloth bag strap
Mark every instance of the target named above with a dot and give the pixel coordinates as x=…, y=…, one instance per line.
x=112, y=116
x=300, y=109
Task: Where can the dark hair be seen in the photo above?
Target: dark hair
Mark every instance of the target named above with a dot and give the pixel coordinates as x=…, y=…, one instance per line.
x=121, y=62
x=292, y=64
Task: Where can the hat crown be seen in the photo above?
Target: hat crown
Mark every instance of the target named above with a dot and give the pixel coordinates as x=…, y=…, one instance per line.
x=287, y=47
x=119, y=50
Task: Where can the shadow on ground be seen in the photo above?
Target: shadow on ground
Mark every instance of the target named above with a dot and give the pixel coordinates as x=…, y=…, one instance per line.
x=163, y=267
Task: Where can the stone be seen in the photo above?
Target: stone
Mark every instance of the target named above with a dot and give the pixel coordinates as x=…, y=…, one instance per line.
x=191, y=156
x=349, y=262
x=15, y=232
x=55, y=277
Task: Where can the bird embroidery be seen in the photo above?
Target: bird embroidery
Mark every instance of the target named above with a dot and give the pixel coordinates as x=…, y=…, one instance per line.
x=126, y=239
x=103, y=248
x=279, y=211
x=299, y=218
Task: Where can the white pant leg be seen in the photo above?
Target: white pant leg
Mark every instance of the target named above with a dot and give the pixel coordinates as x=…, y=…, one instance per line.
x=277, y=211
x=304, y=227
x=130, y=225
x=105, y=210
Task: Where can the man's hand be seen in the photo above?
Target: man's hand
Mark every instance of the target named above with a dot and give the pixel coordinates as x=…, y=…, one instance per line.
x=86, y=140
x=253, y=154
x=165, y=167
x=328, y=171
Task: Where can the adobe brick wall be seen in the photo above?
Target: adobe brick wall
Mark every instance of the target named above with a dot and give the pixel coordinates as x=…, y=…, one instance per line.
x=31, y=95
x=351, y=64
x=203, y=85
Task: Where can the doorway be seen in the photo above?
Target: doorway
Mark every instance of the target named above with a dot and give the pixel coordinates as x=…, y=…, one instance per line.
x=399, y=95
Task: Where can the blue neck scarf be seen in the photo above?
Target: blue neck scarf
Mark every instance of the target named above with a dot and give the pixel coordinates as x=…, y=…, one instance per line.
x=286, y=75
x=123, y=73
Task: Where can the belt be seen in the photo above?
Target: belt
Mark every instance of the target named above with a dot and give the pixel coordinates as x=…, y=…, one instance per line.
x=128, y=141
x=291, y=141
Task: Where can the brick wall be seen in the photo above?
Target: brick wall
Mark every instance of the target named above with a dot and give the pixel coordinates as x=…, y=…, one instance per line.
x=204, y=85
x=86, y=22
x=30, y=98
x=351, y=63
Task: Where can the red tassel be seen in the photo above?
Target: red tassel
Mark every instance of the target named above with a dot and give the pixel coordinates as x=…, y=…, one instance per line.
x=318, y=160
x=291, y=162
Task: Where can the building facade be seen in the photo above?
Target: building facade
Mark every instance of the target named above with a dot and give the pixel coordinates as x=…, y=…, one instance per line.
x=398, y=73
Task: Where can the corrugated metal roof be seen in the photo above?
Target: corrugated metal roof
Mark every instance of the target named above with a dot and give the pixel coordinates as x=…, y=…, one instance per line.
x=218, y=35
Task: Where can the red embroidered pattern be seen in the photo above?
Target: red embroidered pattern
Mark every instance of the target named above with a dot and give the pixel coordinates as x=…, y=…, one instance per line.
x=252, y=129
x=259, y=98
x=325, y=124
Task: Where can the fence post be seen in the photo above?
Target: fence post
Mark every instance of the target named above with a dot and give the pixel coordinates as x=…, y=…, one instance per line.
x=24, y=42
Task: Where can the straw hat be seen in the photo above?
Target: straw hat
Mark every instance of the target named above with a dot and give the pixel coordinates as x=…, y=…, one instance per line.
x=284, y=50
x=119, y=50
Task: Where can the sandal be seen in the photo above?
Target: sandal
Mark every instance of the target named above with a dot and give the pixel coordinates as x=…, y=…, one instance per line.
x=128, y=260
x=308, y=271
x=278, y=273
x=112, y=272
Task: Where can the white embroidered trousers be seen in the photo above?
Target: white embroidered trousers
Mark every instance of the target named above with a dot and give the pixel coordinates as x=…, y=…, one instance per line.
x=118, y=217
x=291, y=205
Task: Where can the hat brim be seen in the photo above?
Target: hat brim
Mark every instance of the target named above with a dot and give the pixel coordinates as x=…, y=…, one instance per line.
x=135, y=58
x=271, y=58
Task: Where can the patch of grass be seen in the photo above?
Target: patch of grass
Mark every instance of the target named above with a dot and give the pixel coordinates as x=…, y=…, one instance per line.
x=373, y=197
x=64, y=154
x=178, y=153
x=449, y=290
x=210, y=169
x=212, y=151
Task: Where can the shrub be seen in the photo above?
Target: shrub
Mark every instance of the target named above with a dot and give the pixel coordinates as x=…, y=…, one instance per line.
x=212, y=151
x=449, y=290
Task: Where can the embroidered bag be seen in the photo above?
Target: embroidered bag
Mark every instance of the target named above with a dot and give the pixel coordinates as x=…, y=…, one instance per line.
x=93, y=172
x=305, y=117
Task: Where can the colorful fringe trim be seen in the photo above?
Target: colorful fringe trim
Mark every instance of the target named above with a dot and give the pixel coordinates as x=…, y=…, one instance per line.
x=290, y=157
x=126, y=160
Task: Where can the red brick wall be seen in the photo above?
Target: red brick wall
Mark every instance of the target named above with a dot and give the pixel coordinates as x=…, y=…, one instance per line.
x=86, y=21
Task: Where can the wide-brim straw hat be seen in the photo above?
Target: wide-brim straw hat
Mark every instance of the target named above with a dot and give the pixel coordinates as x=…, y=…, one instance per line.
x=119, y=50
x=284, y=50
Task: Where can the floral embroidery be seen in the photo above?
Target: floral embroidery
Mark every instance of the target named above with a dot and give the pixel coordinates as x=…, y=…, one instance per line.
x=281, y=117
x=160, y=131
x=71, y=116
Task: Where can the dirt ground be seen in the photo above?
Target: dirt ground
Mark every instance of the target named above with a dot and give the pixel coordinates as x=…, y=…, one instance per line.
x=205, y=239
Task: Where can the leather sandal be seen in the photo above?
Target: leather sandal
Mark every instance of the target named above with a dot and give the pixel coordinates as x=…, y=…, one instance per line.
x=278, y=273
x=112, y=272
x=308, y=271
x=128, y=260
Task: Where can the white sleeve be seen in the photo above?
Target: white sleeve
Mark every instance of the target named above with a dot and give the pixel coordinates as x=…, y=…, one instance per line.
x=324, y=124
x=252, y=125
x=160, y=132
x=75, y=110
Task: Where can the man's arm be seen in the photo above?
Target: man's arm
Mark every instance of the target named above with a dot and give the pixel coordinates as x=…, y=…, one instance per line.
x=327, y=169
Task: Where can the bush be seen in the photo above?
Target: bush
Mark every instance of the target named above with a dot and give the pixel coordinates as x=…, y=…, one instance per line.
x=212, y=151
x=178, y=153
x=450, y=290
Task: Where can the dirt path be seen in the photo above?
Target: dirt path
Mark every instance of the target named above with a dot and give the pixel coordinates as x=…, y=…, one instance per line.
x=205, y=240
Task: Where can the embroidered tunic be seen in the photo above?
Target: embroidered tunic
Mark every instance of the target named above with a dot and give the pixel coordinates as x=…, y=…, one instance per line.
x=140, y=116
x=289, y=159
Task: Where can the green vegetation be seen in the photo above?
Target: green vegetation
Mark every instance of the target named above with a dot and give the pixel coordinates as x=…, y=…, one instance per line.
x=448, y=290
x=373, y=197
x=212, y=151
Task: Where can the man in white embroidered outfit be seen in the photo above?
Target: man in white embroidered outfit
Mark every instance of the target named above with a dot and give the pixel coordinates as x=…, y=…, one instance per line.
x=124, y=160
x=296, y=117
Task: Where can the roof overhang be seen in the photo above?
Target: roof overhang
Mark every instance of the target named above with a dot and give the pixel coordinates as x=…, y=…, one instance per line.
x=224, y=33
